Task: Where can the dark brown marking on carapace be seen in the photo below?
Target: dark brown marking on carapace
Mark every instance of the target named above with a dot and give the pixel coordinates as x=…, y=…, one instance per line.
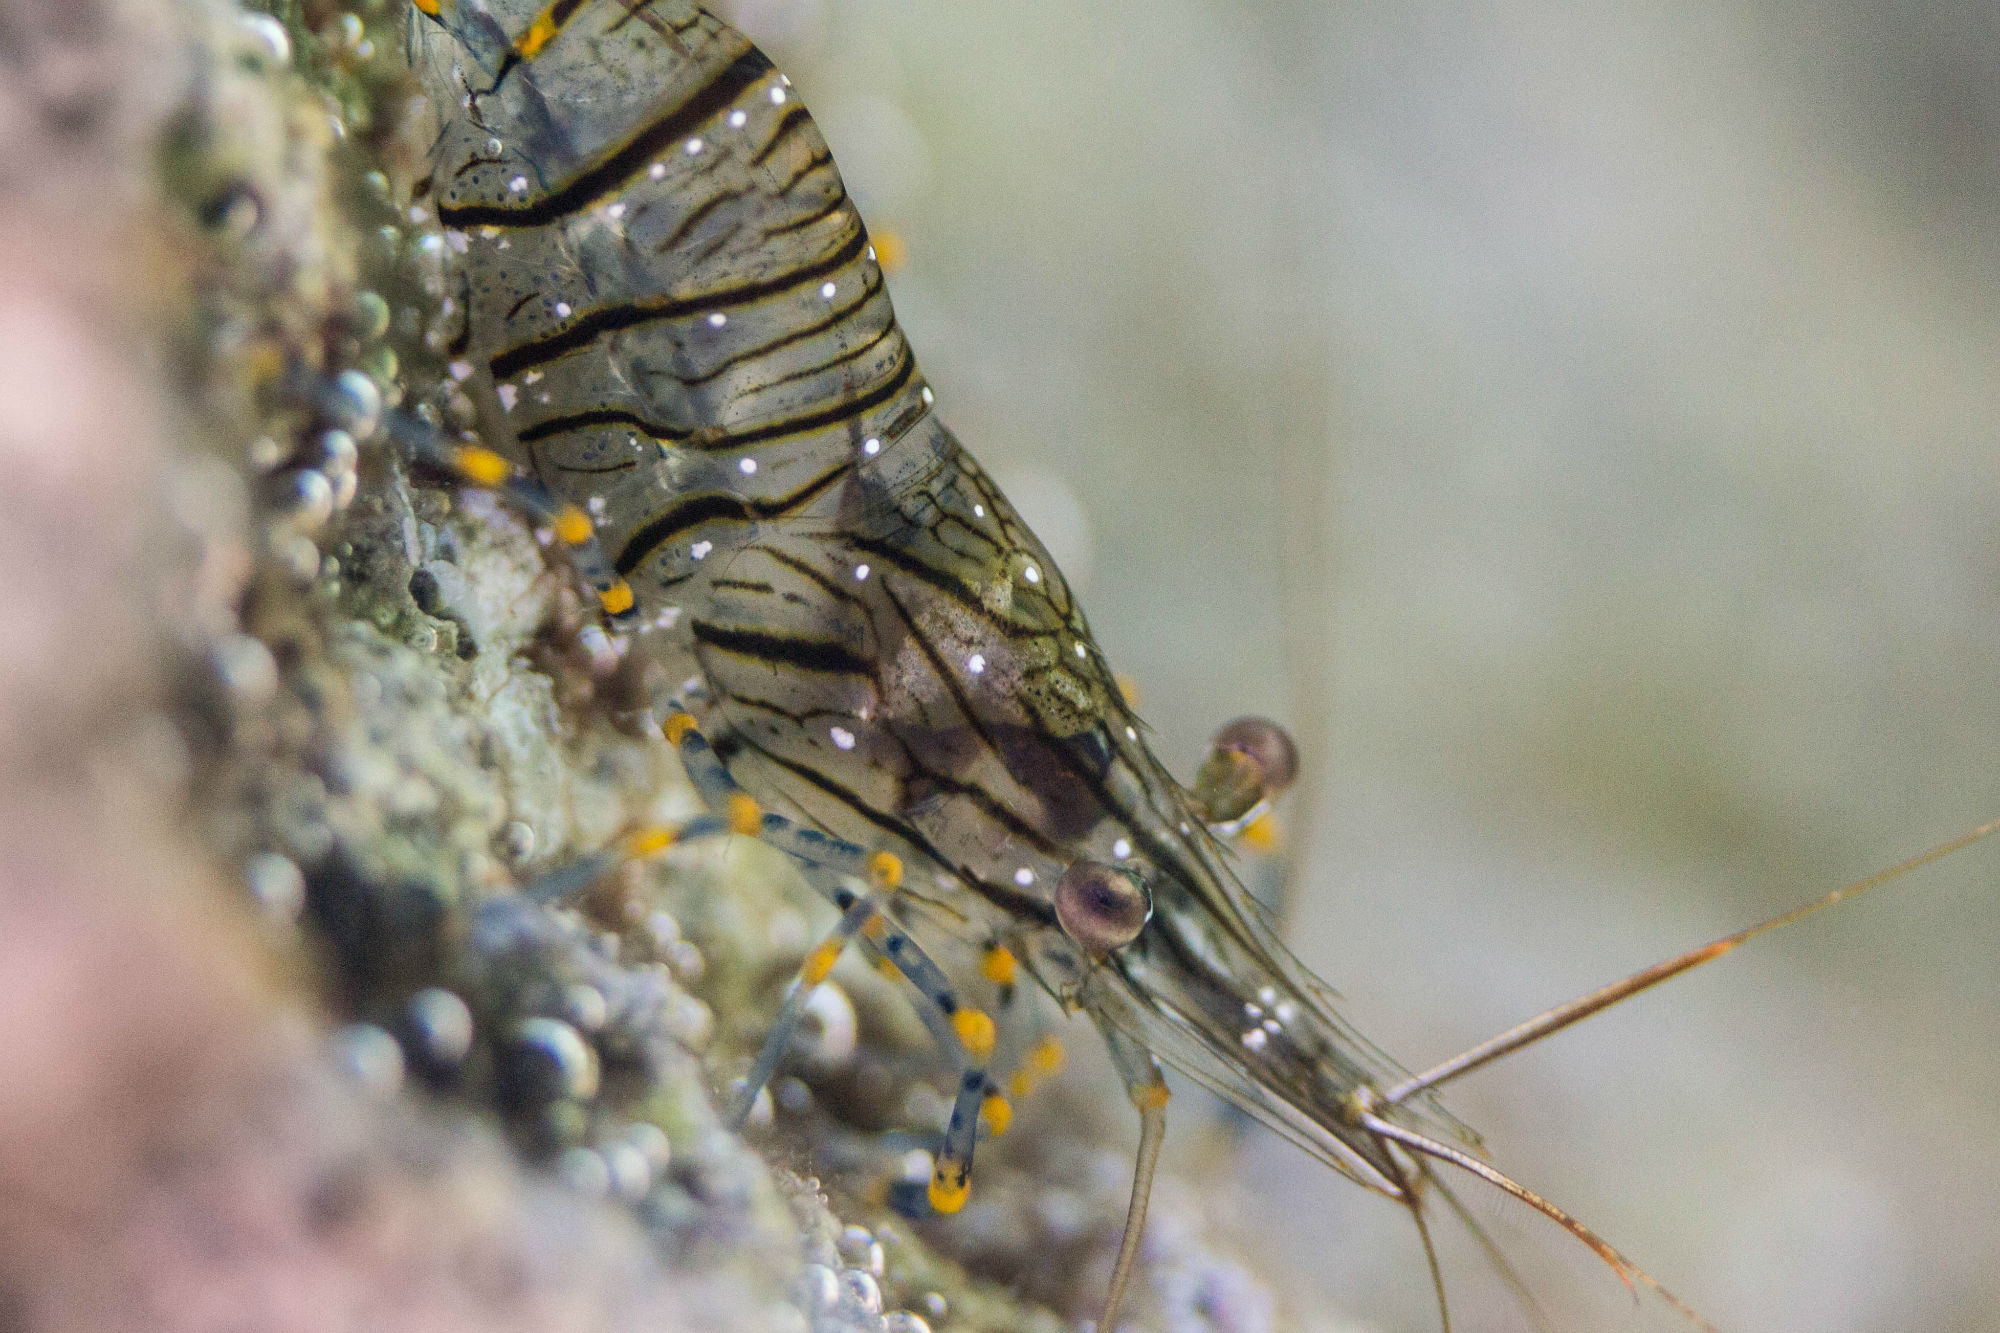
x=696, y=510
x=592, y=324
x=624, y=162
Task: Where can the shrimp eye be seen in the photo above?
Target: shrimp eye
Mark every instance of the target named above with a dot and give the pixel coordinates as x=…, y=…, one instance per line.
x=1250, y=760
x=1102, y=907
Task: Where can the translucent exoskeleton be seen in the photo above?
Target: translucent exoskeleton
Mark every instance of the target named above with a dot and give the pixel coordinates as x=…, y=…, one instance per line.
x=672, y=316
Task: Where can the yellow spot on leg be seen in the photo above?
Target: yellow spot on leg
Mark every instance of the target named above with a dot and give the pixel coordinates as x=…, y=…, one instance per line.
x=1046, y=1058
x=950, y=1187
x=976, y=1031
x=616, y=599
x=886, y=870
x=996, y=1113
x=572, y=526
x=819, y=962
x=540, y=33
x=743, y=815
x=676, y=728
x=430, y=7
x=481, y=467
x=646, y=841
x=887, y=967
x=998, y=965
x=1151, y=1097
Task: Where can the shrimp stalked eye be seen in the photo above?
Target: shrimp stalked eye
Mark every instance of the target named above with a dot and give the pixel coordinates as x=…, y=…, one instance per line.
x=1102, y=907
x=1251, y=759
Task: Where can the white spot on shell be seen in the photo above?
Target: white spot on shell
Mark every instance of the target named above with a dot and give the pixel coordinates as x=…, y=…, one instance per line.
x=1024, y=877
x=657, y=170
x=509, y=395
x=1131, y=733
x=1082, y=652
x=1286, y=1011
x=1255, y=1039
x=694, y=147
x=861, y=573
x=738, y=119
x=777, y=97
x=826, y=290
x=1122, y=848
x=747, y=466
x=1031, y=574
x=976, y=663
x=519, y=185
x=700, y=550
x=842, y=738
x=562, y=310
x=614, y=211
x=929, y=397
x=871, y=446
x=717, y=319
x=979, y=511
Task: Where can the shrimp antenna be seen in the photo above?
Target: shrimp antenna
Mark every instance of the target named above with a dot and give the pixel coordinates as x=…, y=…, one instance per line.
x=1516, y=1284
x=1628, y=1272
x=1560, y=1017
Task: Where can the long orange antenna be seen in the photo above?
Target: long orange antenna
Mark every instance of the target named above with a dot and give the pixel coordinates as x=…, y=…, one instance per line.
x=1627, y=1271
x=1560, y=1017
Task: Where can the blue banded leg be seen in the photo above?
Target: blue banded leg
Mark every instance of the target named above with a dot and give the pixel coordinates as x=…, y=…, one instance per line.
x=650, y=840
x=718, y=791
x=819, y=961
x=956, y=1026
x=974, y=1029
x=1147, y=1088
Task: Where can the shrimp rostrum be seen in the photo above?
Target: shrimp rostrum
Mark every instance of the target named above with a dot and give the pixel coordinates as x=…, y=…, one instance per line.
x=676, y=331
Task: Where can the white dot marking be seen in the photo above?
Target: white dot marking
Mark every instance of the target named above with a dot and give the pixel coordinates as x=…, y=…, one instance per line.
x=826, y=290
x=738, y=119
x=747, y=466
x=700, y=550
x=1031, y=574
x=519, y=185
x=861, y=573
x=657, y=170
x=842, y=738
x=1024, y=877
x=777, y=97
x=976, y=663
x=1121, y=848
x=1255, y=1039
x=694, y=147
x=871, y=446
x=562, y=310
x=1081, y=651
x=717, y=319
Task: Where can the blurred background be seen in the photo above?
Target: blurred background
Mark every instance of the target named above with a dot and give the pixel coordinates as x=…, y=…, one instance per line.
x=1579, y=427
